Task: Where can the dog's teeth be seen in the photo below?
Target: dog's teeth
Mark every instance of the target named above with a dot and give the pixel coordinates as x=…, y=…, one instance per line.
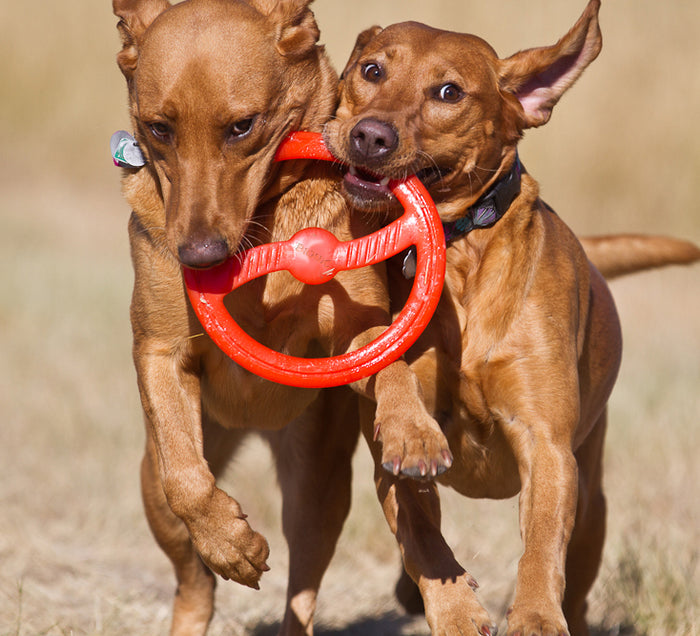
x=384, y=181
x=353, y=171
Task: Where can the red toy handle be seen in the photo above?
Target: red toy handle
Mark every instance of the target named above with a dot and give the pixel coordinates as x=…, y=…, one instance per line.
x=315, y=256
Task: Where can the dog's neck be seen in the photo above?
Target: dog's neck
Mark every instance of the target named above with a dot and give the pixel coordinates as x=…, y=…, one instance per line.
x=489, y=208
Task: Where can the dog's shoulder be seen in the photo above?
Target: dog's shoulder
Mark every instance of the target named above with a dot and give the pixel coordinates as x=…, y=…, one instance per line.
x=141, y=192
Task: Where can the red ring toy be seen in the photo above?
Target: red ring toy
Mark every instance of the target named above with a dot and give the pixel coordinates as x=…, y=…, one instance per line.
x=314, y=256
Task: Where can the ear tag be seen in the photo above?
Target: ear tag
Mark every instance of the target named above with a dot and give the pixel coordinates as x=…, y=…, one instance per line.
x=125, y=150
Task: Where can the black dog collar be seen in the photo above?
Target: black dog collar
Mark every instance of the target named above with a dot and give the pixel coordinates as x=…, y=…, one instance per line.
x=489, y=208
x=484, y=213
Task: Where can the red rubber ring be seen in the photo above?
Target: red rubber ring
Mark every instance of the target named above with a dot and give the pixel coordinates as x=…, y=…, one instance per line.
x=314, y=256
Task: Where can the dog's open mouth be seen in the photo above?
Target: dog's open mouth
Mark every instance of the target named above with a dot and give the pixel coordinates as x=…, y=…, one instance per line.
x=363, y=182
x=366, y=185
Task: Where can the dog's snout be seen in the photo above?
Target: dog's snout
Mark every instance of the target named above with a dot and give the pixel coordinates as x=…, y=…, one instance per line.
x=202, y=254
x=372, y=139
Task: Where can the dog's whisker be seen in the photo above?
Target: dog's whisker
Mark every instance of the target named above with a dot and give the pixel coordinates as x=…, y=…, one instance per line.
x=431, y=160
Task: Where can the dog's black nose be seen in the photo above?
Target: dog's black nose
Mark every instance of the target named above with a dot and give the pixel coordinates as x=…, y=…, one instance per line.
x=371, y=140
x=202, y=254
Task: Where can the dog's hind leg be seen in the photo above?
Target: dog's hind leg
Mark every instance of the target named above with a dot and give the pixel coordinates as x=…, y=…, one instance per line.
x=193, y=606
x=408, y=594
x=314, y=465
x=586, y=543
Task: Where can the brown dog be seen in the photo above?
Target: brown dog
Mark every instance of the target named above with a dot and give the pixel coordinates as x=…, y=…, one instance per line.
x=214, y=86
x=520, y=360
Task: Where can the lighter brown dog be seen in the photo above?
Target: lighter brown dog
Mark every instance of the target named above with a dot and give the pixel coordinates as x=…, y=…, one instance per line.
x=521, y=358
x=214, y=86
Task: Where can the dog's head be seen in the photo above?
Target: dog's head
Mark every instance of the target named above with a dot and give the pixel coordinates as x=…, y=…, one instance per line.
x=214, y=86
x=443, y=105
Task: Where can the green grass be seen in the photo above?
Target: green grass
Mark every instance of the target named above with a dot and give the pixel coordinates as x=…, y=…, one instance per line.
x=76, y=553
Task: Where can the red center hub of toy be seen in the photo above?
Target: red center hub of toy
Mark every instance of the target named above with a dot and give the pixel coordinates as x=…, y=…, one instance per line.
x=315, y=256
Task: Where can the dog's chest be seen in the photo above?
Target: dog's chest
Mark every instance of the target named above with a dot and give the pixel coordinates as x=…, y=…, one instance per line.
x=236, y=398
x=484, y=464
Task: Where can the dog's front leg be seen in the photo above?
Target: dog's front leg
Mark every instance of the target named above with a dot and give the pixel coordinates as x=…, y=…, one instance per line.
x=170, y=396
x=413, y=443
x=548, y=494
x=412, y=510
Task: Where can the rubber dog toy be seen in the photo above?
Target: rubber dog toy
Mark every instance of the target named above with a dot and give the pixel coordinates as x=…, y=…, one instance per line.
x=314, y=256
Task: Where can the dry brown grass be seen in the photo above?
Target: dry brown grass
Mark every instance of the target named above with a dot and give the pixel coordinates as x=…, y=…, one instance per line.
x=620, y=153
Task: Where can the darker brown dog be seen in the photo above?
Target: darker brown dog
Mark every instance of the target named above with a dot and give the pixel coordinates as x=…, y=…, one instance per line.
x=214, y=86
x=520, y=360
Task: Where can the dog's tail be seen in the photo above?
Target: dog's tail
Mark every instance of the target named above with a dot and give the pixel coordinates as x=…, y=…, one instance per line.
x=616, y=255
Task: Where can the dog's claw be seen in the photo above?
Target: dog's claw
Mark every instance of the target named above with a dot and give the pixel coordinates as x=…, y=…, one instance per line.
x=447, y=458
x=419, y=472
x=394, y=466
x=411, y=471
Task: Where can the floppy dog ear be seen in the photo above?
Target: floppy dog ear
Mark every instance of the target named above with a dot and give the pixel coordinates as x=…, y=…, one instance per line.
x=539, y=77
x=297, y=31
x=360, y=44
x=135, y=16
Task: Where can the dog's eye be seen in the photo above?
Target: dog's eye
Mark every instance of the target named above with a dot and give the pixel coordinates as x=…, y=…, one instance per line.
x=241, y=128
x=161, y=131
x=372, y=72
x=450, y=93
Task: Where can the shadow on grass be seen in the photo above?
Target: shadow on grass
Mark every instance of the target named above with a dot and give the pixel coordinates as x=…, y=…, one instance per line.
x=389, y=624
x=393, y=624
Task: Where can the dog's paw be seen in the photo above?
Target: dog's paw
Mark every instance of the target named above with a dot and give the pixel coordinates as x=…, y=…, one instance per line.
x=414, y=447
x=452, y=608
x=524, y=622
x=227, y=544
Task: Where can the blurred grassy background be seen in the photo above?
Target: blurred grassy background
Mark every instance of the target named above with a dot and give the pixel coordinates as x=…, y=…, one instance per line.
x=622, y=152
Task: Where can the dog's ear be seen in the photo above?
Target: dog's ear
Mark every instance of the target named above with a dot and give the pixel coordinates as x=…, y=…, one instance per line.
x=135, y=16
x=297, y=31
x=360, y=44
x=539, y=77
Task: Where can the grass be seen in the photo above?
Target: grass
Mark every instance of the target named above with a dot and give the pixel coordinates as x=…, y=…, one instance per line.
x=77, y=558
x=648, y=580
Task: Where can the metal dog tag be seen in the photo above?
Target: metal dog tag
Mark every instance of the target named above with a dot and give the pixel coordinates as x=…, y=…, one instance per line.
x=125, y=150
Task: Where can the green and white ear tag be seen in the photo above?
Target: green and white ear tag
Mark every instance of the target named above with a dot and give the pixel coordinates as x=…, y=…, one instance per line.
x=125, y=150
